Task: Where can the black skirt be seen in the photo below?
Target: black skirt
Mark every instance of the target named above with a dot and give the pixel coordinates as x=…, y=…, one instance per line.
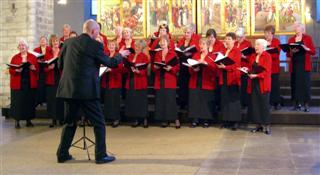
x=201, y=104
x=23, y=101
x=55, y=106
x=136, y=104
x=166, y=106
x=230, y=101
x=41, y=89
x=275, y=90
x=112, y=103
x=258, y=109
x=244, y=97
x=300, y=80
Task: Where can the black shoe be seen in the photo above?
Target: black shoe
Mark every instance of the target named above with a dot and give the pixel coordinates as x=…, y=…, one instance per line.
x=205, y=125
x=178, y=125
x=234, y=127
x=105, y=159
x=277, y=107
x=135, y=124
x=63, y=159
x=193, y=125
x=115, y=124
x=145, y=123
x=164, y=125
x=17, y=125
x=297, y=107
x=29, y=124
x=54, y=123
x=306, y=109
x=257, y=129
x=267, y=130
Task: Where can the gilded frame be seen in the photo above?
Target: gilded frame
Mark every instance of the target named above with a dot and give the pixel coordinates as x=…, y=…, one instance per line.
x=223, y=22
x=126, y=13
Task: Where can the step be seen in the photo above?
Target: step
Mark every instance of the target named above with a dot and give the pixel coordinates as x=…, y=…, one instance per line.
x=286, y=90
x=315, y=100
x=314, y=83
x=283, y=116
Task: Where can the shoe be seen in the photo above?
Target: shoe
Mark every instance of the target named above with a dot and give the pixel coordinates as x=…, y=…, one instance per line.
x=297, y=107
x=17, y=125
x=63, y=159
x=306, y=109
x=257, y=129
x=54, y=123
x=135, y=124
x=105, y=159
x=29, y=124
x=164, y=124
x=205, y=125
x=277, y=107
x=178, y=126
x=268, y=130
x=115, y=124
x=193, y=125
x=234, y=127
x=145, y=123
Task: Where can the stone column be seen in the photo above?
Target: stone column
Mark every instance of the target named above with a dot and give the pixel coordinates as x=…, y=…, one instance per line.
x=20, y=19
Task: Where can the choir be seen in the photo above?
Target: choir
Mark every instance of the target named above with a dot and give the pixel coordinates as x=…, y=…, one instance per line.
x=205, y=76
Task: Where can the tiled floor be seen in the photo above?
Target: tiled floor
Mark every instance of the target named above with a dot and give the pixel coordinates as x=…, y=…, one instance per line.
x=289, y=150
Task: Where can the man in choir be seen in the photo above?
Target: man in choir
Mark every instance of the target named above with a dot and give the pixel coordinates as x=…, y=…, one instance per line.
x=300, y=67
x=55, y=106
x=136, y=103
x=23, y=85
x=242, y=43
x=66, y=32
x=111, y=85
x=201, y=87
x=214, y=47
x=259, y=86
x=273, y=43
x=41, y=87
x=165, y=84
x=229, y=80
x=189, y=39
x=79, y=87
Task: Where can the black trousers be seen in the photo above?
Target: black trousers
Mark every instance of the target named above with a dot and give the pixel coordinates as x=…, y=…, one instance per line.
x=93, y=112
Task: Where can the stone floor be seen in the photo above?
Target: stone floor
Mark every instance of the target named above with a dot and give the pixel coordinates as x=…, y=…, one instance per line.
x=290, y=150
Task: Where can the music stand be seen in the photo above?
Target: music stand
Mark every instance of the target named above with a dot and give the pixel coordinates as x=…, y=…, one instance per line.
x=84, y=138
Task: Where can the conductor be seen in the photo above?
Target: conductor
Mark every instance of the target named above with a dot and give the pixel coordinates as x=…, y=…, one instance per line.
x=79, y=86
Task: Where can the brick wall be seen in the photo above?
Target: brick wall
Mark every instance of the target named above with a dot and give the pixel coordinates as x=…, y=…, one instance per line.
x=32, y=19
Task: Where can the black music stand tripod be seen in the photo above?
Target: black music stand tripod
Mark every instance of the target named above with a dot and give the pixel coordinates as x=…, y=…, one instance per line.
x=84, y=138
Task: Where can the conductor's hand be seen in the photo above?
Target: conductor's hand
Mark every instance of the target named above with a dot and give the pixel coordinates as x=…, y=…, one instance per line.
x=124, y=53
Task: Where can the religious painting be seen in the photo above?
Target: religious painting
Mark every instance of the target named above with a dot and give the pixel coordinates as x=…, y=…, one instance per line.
x=236, y=14
x=290, y=13
x=209, y=16
x=158, y=13
x=263, y=13
x=182, y=12
x=126, y=13
x=109, y=15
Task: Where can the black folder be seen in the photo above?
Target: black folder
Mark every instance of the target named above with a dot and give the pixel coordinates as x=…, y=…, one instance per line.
x=187, y=52
x=287, y=47
x=174, y=61
x=48, y=62
x=248, y=51
x=131, y=50
x=223, y=59
x=153, y=52
x=272, y=50
x=194, y=63
x=18, y=66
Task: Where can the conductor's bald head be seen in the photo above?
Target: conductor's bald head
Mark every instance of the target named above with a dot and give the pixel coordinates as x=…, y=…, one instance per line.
x=91, y=28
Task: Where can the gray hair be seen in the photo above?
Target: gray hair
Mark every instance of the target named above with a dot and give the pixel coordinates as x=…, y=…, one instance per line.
x=140, y=42
x=262, y=42
x=301, y=26
x=66, y=26
x=191, y=27
x=23, y=41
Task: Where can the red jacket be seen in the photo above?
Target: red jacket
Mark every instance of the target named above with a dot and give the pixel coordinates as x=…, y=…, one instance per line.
x=194, y=41
x=170, y=78
x=105, y=42
x=50, y=72
x=264, y=77
x=218, y=46
x=244, y=44
x=140, y=80
x=275, y=56
x=233, y=75
x=115, y=77
x=208, y=74
x=15, y=77
x=307, y=40
x=155, y=43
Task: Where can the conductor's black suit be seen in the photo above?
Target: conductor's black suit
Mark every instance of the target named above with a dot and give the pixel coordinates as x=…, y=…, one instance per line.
x=79, y=86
